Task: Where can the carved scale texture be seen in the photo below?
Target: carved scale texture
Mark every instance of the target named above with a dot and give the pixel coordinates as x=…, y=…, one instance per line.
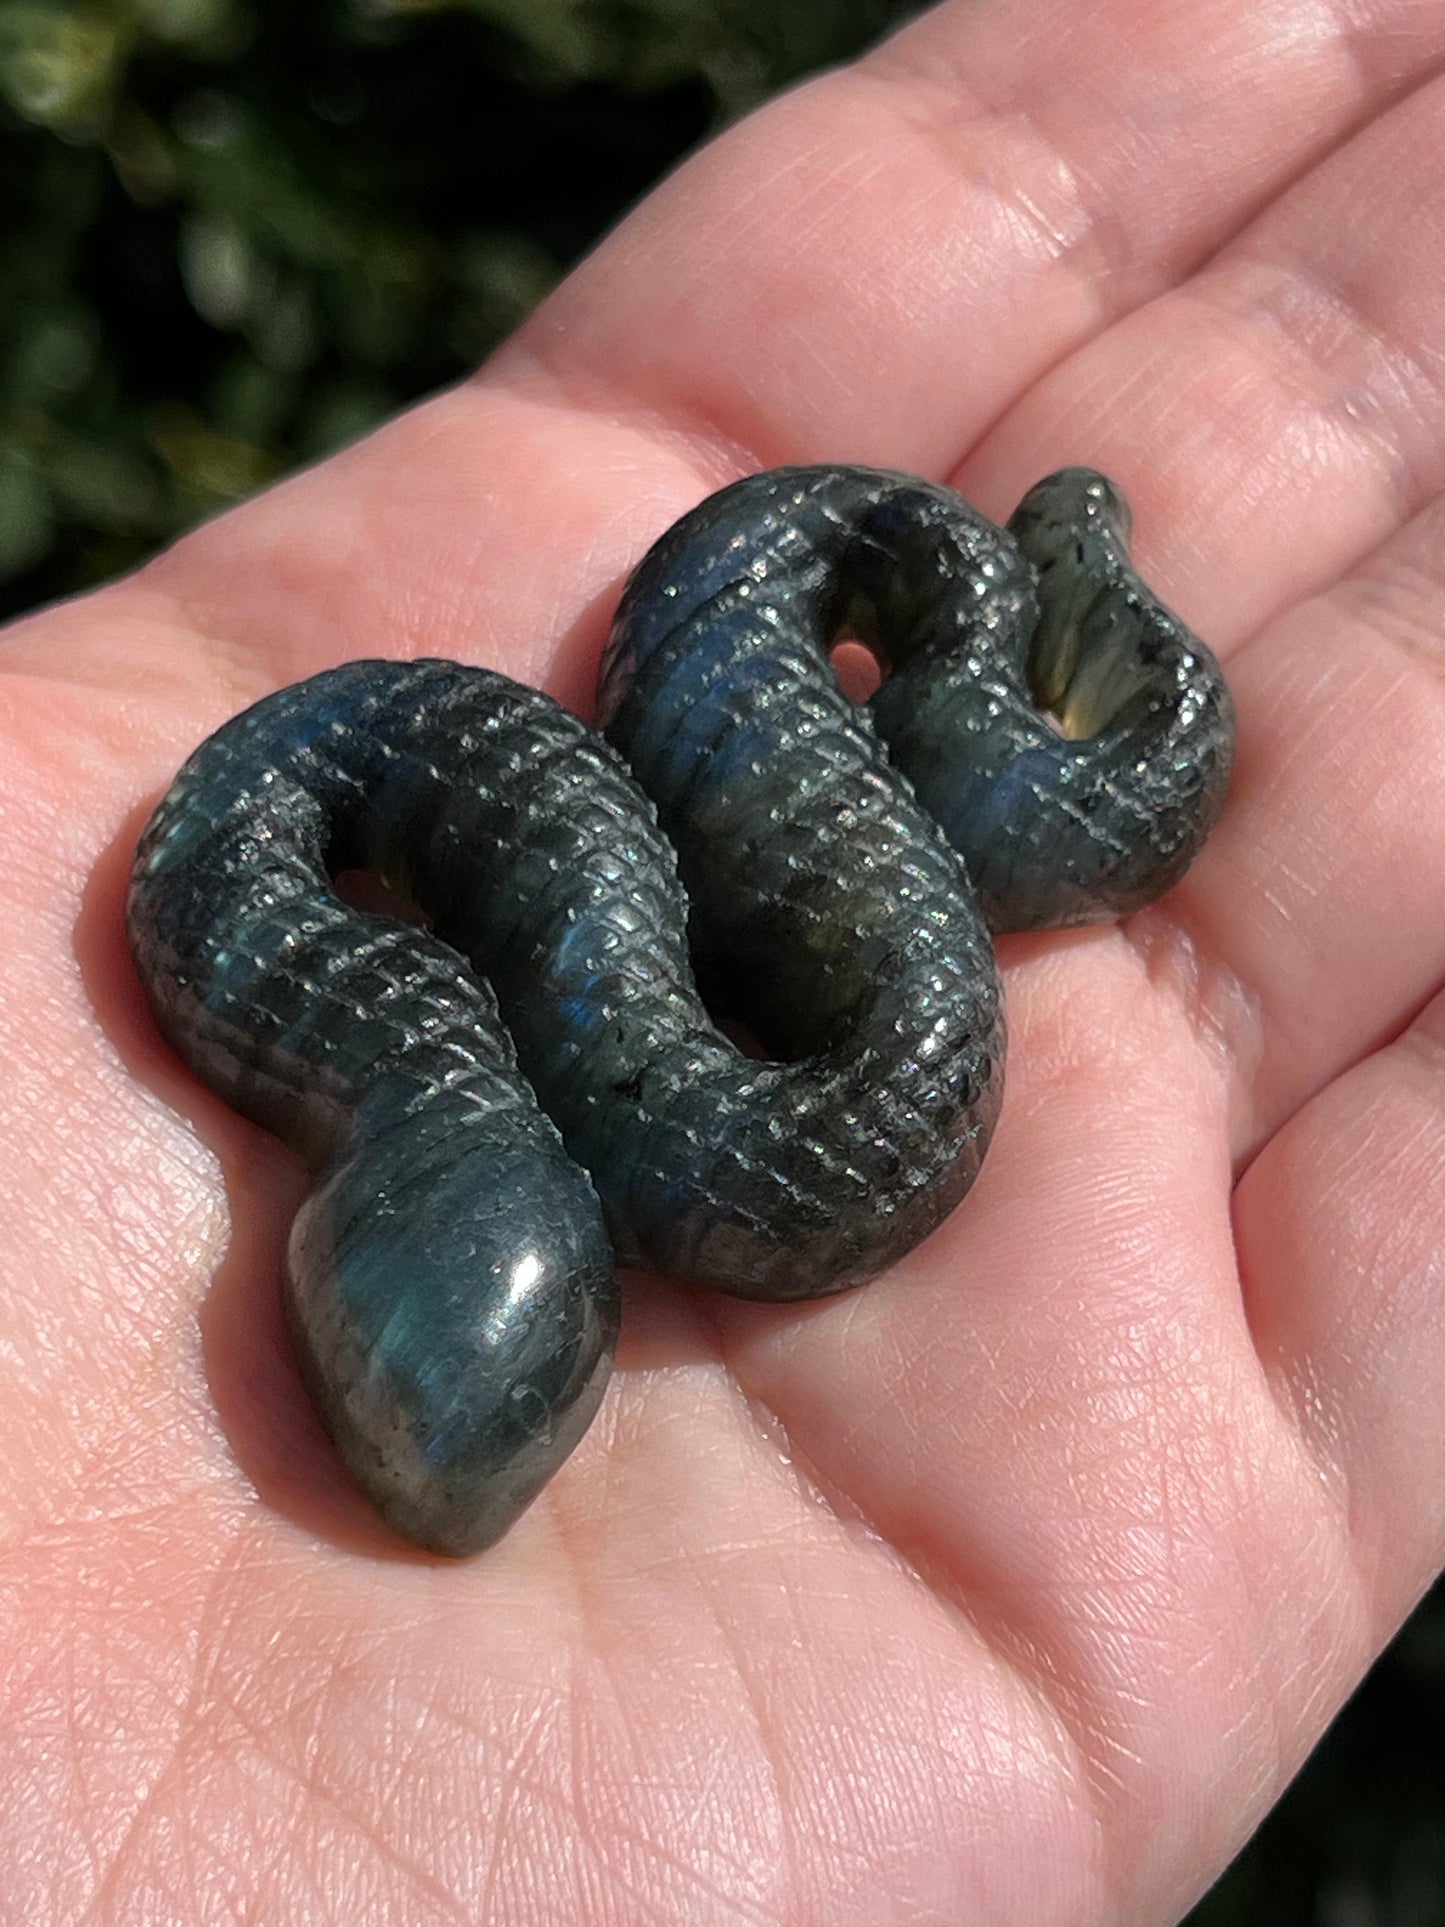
x=497, y=1108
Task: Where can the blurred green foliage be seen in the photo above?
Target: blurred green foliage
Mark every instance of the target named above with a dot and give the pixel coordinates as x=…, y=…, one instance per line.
x=235, y=235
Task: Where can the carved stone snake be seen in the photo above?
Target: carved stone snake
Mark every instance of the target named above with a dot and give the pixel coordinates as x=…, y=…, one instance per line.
x=505, y=1106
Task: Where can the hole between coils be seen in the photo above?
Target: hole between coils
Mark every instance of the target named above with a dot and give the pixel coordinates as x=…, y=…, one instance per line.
x=856, y=667
x=364, y=890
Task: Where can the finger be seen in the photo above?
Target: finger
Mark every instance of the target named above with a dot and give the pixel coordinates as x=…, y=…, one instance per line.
x=1341, y=1230
x=1324, y=897
x=1277, y=418
x=1277, y=415
x=874, y=267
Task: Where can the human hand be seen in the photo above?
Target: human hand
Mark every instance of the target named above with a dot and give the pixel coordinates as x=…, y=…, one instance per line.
x=1013, y=1587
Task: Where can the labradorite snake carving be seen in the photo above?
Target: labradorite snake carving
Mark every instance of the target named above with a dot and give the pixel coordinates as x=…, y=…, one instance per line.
x=503, y=1107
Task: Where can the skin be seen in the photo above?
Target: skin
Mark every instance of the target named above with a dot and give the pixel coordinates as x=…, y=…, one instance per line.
x=1015, y=1586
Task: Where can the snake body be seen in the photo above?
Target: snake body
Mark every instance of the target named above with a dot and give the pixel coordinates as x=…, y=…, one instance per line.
x=500, y=1108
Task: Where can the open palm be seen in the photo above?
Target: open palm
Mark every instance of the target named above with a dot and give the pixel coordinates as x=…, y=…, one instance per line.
x=1013, y=1587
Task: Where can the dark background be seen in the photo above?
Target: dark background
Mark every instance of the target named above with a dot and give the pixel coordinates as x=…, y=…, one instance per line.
x=233, y=236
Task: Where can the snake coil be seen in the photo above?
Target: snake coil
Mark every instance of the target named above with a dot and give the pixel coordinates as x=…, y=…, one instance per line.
x=501, y=1108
